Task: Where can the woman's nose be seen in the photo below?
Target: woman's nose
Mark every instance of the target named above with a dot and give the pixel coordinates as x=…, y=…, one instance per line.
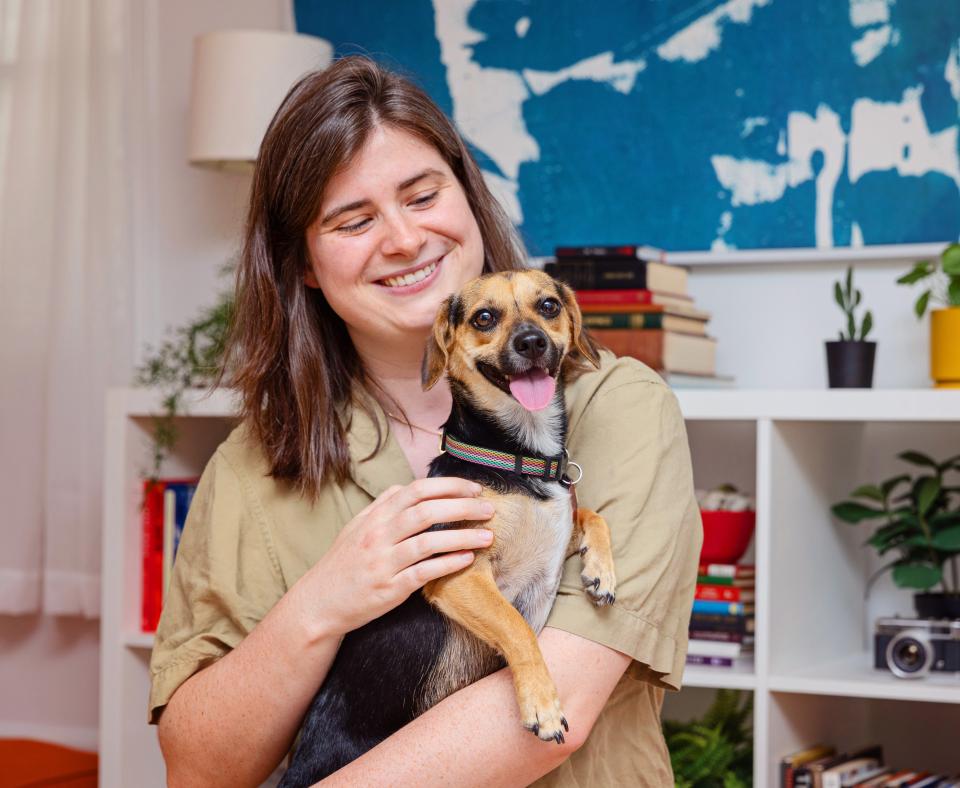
x=402, y=236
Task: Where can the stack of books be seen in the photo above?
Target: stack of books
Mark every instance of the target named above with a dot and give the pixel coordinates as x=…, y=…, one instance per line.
x=636, y=304
x=722, y=623
x=821, y=766
x=165, y=506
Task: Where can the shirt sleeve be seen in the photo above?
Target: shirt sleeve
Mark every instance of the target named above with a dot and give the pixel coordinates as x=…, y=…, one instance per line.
x=632, y=444
x=225, y=578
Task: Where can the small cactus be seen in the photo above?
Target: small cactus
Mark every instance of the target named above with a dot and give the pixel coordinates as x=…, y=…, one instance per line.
x=848, y=300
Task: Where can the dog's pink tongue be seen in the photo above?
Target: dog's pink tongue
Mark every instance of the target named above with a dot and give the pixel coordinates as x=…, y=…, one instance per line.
x=533, y=390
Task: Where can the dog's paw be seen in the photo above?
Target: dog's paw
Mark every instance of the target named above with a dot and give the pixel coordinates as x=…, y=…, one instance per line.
x=547, y=723
x=599, y=580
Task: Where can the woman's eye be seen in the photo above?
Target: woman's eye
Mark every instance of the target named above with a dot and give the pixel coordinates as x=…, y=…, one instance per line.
x=349, y=228
x=426, y=198
x=484, y=319
x=549, y=307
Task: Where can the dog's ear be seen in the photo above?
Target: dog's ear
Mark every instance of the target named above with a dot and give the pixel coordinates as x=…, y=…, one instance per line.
x=580, y=339
x=437, y=352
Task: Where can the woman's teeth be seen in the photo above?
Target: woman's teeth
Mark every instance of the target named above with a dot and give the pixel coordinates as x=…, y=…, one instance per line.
x=411, y=278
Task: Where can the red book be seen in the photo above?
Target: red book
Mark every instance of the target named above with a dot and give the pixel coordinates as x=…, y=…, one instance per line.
x=724, y=593
x=632, y=296
x=151, y=591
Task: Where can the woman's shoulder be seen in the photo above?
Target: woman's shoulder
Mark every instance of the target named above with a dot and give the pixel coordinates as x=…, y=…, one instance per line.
x=613, y=373
x=243, y=453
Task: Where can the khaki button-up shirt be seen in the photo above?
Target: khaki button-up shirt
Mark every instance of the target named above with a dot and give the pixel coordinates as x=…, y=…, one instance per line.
x=248, y=538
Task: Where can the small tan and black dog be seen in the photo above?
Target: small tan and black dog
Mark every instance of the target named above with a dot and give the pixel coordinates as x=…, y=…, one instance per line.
x=507, y=342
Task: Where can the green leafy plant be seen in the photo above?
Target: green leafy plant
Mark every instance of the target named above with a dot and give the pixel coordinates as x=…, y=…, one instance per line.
x=190, y=357
x=716, y=750
x=919, y=522
x=848, y=300
x=946, y=288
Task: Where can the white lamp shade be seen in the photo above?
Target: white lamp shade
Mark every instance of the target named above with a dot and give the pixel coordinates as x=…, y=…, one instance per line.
x=239, y=79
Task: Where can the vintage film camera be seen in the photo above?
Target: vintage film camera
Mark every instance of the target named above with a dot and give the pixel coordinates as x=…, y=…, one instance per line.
x=913, y=647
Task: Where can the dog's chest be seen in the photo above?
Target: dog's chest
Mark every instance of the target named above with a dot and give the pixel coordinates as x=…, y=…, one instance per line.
x=529, y=550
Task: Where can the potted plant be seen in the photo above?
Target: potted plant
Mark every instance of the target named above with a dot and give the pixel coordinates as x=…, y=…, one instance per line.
x=920, y=524
x=716, y=750
x=944, y=323
x=728, y=518
x=849, y=359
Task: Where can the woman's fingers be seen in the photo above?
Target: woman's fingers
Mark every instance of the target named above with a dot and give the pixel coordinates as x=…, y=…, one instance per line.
x=426, y=489
x=421, y=516
x=414, y=577
x=429, y=543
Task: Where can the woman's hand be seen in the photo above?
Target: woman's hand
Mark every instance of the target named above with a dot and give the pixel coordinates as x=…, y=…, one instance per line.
x=384, y=554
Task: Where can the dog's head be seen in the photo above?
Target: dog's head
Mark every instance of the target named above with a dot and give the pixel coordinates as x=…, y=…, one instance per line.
x=509, y=334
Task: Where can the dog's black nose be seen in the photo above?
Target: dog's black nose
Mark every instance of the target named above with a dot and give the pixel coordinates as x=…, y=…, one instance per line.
x=530, y=343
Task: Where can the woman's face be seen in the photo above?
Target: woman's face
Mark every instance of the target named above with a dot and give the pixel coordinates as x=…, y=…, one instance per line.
x=393, y=238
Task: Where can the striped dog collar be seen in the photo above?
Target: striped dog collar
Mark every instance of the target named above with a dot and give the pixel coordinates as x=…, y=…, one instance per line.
x=550, y=469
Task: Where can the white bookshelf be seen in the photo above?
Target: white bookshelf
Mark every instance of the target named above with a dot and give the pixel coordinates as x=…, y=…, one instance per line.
x=798, y=451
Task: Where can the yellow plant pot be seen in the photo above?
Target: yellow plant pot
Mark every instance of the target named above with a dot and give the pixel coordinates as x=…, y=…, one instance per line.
x=945, y=347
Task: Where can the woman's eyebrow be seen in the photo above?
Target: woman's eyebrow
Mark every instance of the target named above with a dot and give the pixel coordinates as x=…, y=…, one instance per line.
x=406, y=184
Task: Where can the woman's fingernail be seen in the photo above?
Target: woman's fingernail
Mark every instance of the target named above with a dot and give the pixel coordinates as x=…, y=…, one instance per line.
x=486, y=508
x=486, y=536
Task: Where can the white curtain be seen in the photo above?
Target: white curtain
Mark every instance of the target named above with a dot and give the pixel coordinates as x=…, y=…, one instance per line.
x=65, y=291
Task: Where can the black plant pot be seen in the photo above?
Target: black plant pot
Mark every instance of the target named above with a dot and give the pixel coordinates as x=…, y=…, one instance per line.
x=937, y=605
x=850, y=364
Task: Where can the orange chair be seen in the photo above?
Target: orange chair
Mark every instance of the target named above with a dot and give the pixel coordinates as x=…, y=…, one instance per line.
x=30, y=764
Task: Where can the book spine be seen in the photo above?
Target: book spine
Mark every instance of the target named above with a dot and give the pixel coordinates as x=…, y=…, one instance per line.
x=645, y=345
x=711, y=606
x=722, y=593
x=726, y=570
x=718, y=622
x=589, y=274
x=702, y=659
x=718, y=580
x=721, y=636
x=648, y=319
x=641, y=251
x=151, y=581
x=627, y=296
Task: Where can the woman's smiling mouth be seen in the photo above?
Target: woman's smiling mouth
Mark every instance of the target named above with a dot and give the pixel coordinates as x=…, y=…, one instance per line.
x=414, y=281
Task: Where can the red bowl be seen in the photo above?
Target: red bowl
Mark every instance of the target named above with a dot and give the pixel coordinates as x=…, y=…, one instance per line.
x=726, y=535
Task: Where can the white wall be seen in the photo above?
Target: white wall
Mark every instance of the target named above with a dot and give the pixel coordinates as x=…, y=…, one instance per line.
x=185, y=225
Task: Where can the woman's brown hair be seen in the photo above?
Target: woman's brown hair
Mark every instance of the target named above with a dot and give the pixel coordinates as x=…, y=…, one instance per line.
x=287, y=352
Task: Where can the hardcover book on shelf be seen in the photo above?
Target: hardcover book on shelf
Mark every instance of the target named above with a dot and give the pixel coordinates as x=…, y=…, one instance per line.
x=589, y=273
x=728, y=608
x=790, y=763
x=177, y=498
x=662, y=349
x=681, y=380
x=716, y=648
x=709, y=661
x=649, y=316
x=720, y=580
x=727, y=570
x=634, y=251
x=722, y=622
x=855, y=766
x=724, y=593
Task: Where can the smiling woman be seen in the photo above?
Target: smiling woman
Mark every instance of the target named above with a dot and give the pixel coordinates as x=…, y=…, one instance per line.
x=317, y=515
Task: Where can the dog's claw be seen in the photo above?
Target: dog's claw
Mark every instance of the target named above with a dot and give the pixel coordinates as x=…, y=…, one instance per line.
x=558, y=738
x=583, y=550
x=563, y=722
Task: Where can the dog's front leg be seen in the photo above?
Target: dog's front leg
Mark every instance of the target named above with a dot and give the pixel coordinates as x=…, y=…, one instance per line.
x=591, y=538
x=472, y=599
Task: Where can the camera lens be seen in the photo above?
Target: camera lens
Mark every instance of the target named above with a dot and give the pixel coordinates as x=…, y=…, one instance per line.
x=909, y=654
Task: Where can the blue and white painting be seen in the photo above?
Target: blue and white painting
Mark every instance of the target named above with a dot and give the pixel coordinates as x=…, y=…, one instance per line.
x=690, y=124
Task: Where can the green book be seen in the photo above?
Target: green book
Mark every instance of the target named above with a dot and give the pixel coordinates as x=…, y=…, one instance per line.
x=623, y=319
x=717, y=580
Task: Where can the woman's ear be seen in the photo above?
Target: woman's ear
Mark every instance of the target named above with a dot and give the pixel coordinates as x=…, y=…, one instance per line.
x=579, y=338
x=440, y=342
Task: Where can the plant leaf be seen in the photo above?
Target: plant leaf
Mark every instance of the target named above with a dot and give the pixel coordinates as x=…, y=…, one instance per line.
x=851, y=327
x=918, y=459
x=888, y=486
x=953, y=291
x=948, y=540
x=929, y=490
x=919, y=271
x=917, y=575
x=849, y=287
x=921, y=306
x=867, y=325
x=852, y=512
x=868, y=491
x=838, y=296
x=950, y=260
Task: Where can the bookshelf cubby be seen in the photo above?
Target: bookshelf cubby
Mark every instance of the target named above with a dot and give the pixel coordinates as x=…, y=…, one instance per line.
x=797, y=451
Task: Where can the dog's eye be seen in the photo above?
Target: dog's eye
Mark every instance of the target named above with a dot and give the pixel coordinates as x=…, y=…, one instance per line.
x=549, y=307
x=484, y=319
